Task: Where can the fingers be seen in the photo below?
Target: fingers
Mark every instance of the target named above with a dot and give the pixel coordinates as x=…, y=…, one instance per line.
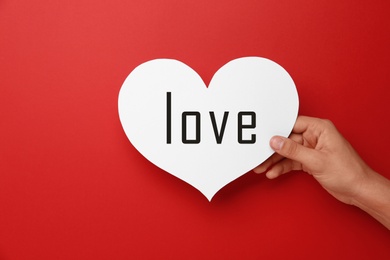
x=283, y=167
x=268, y=163
x=276, y=157
x=294, y=151
x=303, y=123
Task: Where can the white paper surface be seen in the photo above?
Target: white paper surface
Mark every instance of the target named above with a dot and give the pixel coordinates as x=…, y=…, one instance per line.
x=257, y=90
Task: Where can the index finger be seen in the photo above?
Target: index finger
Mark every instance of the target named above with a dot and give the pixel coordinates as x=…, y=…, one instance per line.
x=303, y=123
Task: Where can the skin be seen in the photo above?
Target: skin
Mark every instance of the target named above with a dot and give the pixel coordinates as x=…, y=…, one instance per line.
x=316, y=147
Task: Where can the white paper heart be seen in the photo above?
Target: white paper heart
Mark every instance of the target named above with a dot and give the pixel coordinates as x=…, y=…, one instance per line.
x=258, y=94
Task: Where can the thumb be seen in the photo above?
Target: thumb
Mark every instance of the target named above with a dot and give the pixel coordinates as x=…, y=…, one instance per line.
x=293, y=150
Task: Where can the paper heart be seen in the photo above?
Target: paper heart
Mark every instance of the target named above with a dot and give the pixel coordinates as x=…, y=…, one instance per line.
x=180, y=125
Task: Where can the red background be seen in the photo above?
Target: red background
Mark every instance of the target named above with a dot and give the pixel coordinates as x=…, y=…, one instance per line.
x=73, y=187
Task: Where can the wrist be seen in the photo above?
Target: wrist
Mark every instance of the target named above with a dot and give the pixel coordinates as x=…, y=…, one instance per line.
x=373, y=197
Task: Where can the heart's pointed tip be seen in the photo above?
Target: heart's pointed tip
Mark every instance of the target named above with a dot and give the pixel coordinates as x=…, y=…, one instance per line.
x=209, y=198
x=209, y=195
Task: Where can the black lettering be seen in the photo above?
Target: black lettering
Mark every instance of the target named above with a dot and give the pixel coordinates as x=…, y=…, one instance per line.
x=252, y=125
x=169, y=118
x=184, y=127
x=219, y=136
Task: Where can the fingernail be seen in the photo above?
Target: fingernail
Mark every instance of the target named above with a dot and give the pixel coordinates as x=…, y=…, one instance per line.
x=259, y=169
x=271, y=175
x=276, y=142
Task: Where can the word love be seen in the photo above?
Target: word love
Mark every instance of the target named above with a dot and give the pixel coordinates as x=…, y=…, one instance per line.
x=207, y=136
x=217, y=132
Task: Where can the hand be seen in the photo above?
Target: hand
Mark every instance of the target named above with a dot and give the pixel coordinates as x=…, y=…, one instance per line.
x=316, y=147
